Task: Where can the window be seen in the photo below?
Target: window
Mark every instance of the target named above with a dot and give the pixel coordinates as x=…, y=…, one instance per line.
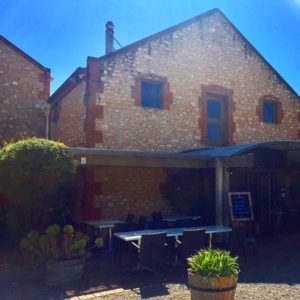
x=151, y=94
x=270, y=111
x=216, y=119
x=216, y=124
x=152, y=91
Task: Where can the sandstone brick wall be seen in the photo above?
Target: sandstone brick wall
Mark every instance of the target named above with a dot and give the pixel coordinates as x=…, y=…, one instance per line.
x=205, y=53
x=129, y=190
x=23, y=85
x=68, y=117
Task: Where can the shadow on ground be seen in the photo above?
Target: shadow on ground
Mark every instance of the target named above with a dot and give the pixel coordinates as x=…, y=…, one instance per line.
x=277, y=261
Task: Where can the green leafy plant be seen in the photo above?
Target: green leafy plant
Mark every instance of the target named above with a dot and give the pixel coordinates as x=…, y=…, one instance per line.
x=56, y=244
x=214, y=263
x=36, y=178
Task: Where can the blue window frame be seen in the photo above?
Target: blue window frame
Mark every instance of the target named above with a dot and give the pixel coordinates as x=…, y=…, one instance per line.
x=216, y=125
x=151, y=93
x=270, y=111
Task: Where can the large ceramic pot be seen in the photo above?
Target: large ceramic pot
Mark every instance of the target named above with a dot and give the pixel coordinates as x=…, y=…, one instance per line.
x=203, y=288
x=64, y=271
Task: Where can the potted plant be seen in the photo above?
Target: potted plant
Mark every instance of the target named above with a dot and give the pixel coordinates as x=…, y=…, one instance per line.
x=62, y=251
x=212, y=274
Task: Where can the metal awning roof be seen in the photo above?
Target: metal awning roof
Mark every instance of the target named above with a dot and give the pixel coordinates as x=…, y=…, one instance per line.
x=194, y=158
x=109, y=157
x=228, y=151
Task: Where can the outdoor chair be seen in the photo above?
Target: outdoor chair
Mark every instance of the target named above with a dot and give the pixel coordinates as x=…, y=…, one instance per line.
x=184, y=223
x=158, y=224
x=241, y=243
x=152, y=251
x=123, y=250
x=157, y=216
x=197, y=222
x=191, y=242
x=130, y=218
x=142, y=222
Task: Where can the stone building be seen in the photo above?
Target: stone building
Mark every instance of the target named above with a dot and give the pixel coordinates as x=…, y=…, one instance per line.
x=195, y=86
x=24, y=90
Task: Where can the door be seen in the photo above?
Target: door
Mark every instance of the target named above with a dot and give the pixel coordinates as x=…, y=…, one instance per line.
x=217, y=119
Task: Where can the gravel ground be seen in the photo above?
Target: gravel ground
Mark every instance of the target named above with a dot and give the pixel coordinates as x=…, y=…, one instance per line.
x=259, y=291
x=273, y=273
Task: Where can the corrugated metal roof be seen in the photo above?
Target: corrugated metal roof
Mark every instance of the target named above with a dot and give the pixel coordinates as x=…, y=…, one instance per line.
x=228, y=151
x=202, y=153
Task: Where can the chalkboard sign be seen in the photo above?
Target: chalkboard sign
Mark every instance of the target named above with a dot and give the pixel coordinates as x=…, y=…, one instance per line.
x=240, y=206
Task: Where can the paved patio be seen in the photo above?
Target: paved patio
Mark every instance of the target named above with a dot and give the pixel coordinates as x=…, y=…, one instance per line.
x=273, y=273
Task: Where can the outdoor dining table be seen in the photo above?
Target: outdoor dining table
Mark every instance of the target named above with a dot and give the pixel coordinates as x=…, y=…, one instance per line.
x=105, y=224
x=135, y=236
x=180, y=218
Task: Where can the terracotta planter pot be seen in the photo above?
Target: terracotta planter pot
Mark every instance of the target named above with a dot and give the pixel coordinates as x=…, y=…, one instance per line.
x=64, y=272
x=203, y=288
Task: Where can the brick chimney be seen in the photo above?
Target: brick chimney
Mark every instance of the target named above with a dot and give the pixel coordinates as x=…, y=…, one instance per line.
x=109, y=42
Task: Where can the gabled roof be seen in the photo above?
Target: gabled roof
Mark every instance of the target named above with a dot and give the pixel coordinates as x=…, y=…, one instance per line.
x=177, y=27
x=186, y=23
x=25, y=55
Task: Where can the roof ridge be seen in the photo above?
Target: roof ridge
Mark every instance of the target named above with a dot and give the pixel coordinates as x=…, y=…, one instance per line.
x=187, y=22
x=158, y=34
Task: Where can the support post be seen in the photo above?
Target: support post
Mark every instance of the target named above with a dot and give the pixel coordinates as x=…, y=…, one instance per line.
x=219, y=191
x=226, y=190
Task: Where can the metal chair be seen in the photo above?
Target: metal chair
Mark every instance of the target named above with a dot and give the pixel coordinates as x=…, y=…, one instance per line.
x=157, y=216
x=241, y=243
x=192, y=241
x=142, y=222
x=121, y=247
x=197, y=222
x=152, y=251
x=185, y=223
x=130, y=218
x=158, y=224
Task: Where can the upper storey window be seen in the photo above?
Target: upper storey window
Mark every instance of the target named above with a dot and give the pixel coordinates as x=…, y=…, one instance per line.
x=216, y=120
x=151, y=94
x=270, y=111
x=152, y=91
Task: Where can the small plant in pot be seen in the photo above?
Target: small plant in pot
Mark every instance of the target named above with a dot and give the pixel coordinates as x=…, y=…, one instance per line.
x=62, y=251
x=212, y=275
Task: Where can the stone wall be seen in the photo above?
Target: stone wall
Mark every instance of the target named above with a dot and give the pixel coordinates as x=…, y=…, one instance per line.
x=68, y=117
x=128, y=190
x=205, y=53
x=23, y=85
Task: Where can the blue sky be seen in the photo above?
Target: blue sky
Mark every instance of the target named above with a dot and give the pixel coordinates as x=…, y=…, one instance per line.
x=60, y=34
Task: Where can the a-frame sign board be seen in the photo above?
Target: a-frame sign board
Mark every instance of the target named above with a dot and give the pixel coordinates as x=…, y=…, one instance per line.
x=240, y=204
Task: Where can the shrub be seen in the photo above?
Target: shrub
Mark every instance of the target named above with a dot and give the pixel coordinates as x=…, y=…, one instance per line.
x=214, y=263
x=55, y=244
x=36, y=177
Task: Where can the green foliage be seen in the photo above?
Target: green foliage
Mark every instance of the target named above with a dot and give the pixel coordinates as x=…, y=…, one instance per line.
x=36, y=177
x=52, y=230
x=55, y=244
x=214, y=263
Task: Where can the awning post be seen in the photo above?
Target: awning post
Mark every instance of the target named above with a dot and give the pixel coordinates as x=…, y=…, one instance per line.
x=219, y=191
